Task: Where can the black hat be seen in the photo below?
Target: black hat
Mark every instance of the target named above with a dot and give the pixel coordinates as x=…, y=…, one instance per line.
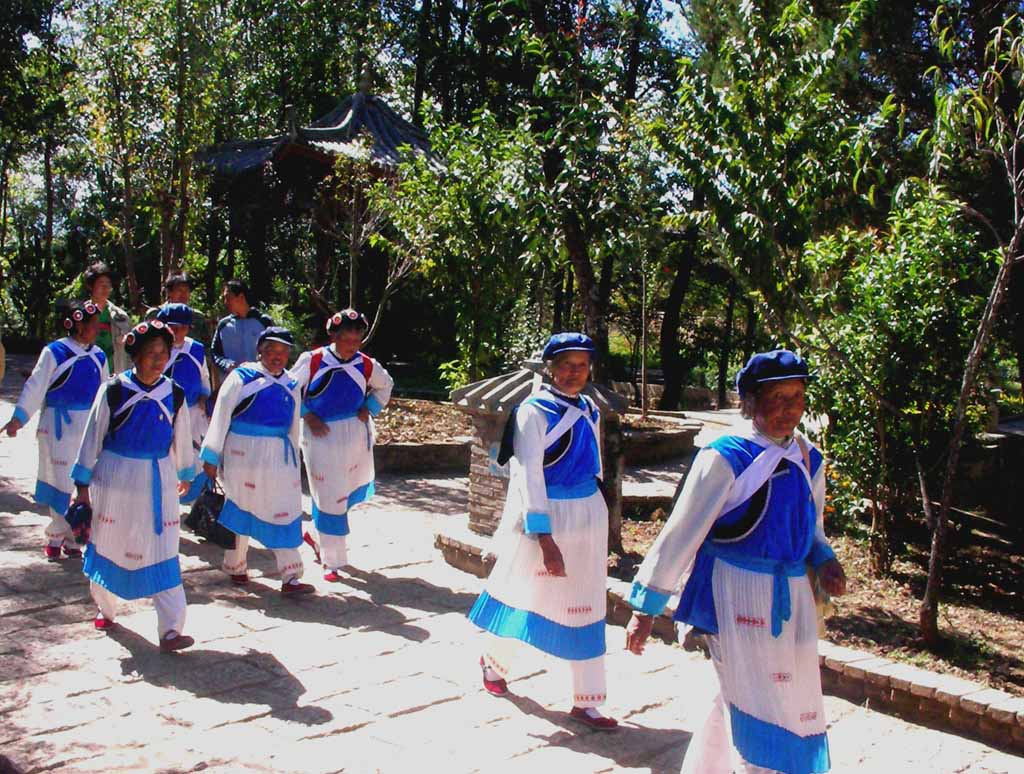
x=346, y=318
x=79, y=311
x=276, y=333
x=137, y=337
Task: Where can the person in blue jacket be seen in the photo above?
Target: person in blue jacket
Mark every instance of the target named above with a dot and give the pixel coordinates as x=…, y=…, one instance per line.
x=62, y=386
x=748, y=528
x=237, y=334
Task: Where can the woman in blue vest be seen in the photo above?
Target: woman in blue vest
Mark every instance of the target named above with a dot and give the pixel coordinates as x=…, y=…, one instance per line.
x=747, y=526
x=342, y=390
x=252, y=440
x=134, y=462
x=63, y=385
x=547, y=588
x=187, y=367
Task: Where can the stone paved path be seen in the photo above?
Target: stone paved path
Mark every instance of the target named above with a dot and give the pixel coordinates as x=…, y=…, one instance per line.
x=377, y=674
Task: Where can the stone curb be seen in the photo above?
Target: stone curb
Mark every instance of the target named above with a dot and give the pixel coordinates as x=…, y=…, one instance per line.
x=421, y=457
x=926, y=698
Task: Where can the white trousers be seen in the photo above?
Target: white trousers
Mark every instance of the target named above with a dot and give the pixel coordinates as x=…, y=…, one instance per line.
x=333, y=551
x=58, y=531
x=289, y=560
x=711, y=750
x=169, y=604
x=588, y=675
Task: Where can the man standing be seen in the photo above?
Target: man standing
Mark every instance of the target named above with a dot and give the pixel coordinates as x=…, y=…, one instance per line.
x=178, y=290
x=234, y=341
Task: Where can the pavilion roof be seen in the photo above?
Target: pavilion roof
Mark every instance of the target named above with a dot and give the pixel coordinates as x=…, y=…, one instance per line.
x=362, y=126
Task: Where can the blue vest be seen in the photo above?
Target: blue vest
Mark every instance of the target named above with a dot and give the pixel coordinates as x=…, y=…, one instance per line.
x=271, y=408
x=76, y=388
x=141, y=431
x=186, y=373
x=333, y=393
x=573, y=461
x=773, y=531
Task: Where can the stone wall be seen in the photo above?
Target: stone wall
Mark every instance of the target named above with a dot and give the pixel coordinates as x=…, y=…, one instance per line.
x=488, y=481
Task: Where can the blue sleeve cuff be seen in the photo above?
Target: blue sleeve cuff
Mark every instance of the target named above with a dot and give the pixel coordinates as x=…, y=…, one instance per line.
x=373, y=405
x=209, y=455
x=204, y=393
x=20, y=415
x=187, y=474
x=303, y=410
x=81, y=475
x=819, y=554
x=537, y=523
x=648, y=601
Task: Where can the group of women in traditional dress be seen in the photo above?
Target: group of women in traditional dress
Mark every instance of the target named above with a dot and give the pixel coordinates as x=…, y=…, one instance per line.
x=746, y=532
x=130, y=448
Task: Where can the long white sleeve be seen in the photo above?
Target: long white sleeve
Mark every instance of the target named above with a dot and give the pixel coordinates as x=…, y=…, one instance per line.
x=379, y=388
x=699, y=505
x=33, y=394
x=220, y=422
x=300, y=371
x=181, y=445
x=527, y=468
x=96, y=427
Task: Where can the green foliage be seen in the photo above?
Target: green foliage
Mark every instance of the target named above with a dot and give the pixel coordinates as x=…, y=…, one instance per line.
x=895, y=313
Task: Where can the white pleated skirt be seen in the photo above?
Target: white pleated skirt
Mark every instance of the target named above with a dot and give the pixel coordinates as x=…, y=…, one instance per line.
x=57, y=456
x=261, y=478
x=126, y=555
x=771, y=685
x=561, y=616
x=339, y=464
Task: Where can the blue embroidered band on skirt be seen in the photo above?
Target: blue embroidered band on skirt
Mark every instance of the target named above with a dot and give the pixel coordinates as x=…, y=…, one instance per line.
x=575, y=643
x=130, y=584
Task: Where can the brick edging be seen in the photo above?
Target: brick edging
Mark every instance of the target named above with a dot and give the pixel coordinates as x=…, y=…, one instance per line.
x=926, y=698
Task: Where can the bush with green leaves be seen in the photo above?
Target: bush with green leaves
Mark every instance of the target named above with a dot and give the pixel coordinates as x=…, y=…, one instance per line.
x=895, y=311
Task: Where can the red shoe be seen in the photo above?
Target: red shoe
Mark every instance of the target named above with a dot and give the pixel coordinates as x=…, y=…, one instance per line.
x=494, y=687
x=289, y=589
x=331, y=576
x=103, y=623
x=52, y=553
x=240, y=580
x=73, y=553
x=596, y=721
x=177, y=642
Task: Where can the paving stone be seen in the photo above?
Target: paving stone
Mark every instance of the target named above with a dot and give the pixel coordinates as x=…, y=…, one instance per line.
x=979, y=702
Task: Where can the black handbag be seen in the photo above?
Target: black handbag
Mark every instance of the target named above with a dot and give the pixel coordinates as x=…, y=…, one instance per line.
x=202, y=519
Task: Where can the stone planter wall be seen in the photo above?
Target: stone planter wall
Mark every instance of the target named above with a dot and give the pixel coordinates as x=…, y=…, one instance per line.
x=421, y=457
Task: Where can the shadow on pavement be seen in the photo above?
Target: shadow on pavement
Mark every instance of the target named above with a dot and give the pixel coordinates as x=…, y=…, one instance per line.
x=255, y=677
x=627, y=747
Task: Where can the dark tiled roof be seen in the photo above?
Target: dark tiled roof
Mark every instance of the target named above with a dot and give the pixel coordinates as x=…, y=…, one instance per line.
x=360, y=123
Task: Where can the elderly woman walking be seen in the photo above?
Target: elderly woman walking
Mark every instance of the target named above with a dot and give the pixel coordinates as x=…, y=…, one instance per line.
x=252, y=440
x=343, y=389
x=547, y=588
x=136, y=445
x=63, y=385
x=747, y=526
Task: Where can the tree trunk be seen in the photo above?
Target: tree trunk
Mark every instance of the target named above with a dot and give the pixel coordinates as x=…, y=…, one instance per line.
x=726, y=346
x=422, y=54
x=48, y=232
x=748, y=333
x=1017, y=316
x=929, y=610
x=668, y=344
x=259, y=276
x=215, y=243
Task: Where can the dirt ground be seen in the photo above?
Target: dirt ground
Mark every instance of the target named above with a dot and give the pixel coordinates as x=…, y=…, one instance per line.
x=421, y=421
x=981, y=615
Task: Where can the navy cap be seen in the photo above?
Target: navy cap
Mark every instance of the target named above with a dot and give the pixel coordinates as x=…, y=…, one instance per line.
x=276, y=333
x=568, y=342
x=775, y=366
x=347, y=318
x=175, y=314
x=143, y=332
